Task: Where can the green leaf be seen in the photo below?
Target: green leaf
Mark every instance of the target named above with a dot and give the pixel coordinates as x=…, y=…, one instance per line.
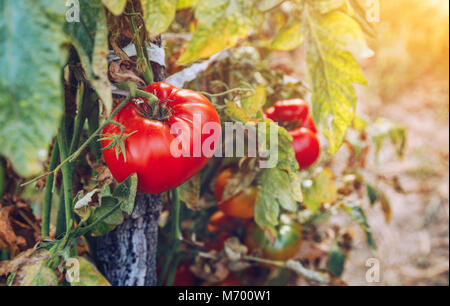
x=182, y=4
x=359, y=216
x=377, y=195
x=236, y=113
x=89, y=274
x=158, y=14
x=108, y=204
x=253, y=104
x=289, y=38
x=336, y=260
x=277, y=190
x=319, y=190
x=115, y=6
x=126, y=193
x=332, y=71
x=90, y=38
x=221, y=24
x=190, y=192
x=384, y=129
x=31, y=93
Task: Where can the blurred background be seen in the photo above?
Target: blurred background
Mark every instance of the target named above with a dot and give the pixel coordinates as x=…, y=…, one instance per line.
x=409, y=84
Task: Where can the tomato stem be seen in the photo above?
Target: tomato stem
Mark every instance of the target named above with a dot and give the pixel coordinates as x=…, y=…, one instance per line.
x=139, y=42
x=54, y=158
x=175, y=236
x=77, y=153
x=66, y=172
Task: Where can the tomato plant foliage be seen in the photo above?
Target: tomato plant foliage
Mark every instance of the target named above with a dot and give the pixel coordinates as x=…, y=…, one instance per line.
x=61, y=87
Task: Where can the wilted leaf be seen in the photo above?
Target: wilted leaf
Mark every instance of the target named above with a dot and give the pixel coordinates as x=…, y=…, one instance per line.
x=332, y=71
x=89, y=274
x=158, y=14
x=221, y=24
x=384, y=129
x=31, y=93
x=190, y=192
x=115, y=6
x=90, y=38
x=359, y=216
x=34, y=272
x=126, y=193
x=234, y=249
x=376, y=195
x=319, y=190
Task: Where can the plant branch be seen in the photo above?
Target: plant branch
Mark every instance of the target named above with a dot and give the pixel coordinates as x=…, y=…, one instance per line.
x=45, y=228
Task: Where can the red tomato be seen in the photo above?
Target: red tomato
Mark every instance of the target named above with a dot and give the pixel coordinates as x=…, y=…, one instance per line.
x=309, y=124
x=291, y=110
x=184, y=276
x=294, y=115
x=241, y=205
x=148, y=150
x=306, y=147
x=285, y=247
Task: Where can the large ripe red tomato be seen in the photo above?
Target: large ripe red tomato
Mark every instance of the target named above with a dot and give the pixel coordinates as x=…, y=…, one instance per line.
x=285, y=247
x=148, y=150
x=241, y=205
x=306, y=147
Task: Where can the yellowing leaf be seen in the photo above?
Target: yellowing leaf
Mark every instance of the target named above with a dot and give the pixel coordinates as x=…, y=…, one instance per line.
x=332, y=71
x=265, y=5
x=89, y=274
x=221, y=24
x=289, y=38
x=115, y=6
x=319, y=190
x=158, y=14
x=182, y=4
x=34, y=272
x=254, y=104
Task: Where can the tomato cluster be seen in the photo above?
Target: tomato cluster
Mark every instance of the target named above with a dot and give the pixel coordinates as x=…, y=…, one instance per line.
x=294, y=115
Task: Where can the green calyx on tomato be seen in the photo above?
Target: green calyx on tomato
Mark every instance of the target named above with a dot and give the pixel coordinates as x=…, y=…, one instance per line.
x=150, y=132
x=286, y=245
x=294, y=116
x=241, y=205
